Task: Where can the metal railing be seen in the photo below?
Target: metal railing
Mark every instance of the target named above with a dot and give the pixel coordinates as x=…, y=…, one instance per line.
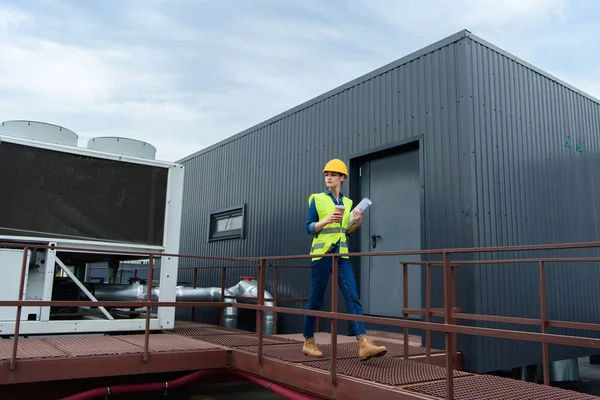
x=449, y=312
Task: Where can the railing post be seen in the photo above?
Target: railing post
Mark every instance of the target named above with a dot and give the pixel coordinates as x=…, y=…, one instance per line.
x=223, y=280
x=148, y=298
x=544, y=323
x=428, y=312
x=13, y=361
x=405, y=301
x=195, y=284
x=334, y=322
x=260, y=314
x=448, y=320
x=275, y=290
x=454, y=338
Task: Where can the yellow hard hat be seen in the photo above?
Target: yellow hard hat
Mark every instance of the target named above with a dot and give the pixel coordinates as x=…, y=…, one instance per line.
x=336, y=165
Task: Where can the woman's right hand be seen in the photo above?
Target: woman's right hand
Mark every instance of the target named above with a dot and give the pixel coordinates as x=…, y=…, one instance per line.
x=336, y=216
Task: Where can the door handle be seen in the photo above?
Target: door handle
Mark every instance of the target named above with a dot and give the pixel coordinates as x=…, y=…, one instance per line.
x=374, y=240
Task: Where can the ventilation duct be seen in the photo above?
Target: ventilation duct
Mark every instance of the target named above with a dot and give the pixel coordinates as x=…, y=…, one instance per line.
x=249, y=289
x=138, y=292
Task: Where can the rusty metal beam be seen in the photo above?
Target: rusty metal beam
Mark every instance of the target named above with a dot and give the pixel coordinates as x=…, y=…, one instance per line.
x=149, y=298
x=446, y=328
x=405, y=306
x=51, y=369
x=18, y=316
x=334, y=322
x=318, y=382
x=450, y=312
x=528, y=260
x=436, y=312
x=493, y=249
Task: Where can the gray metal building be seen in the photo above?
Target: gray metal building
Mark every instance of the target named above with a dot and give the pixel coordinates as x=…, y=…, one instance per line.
x=459, y=144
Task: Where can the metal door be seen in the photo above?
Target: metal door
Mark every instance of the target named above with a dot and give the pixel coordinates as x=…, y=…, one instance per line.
x=391, y=223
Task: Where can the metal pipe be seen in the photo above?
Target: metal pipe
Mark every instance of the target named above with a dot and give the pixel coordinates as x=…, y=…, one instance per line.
x=184, y=293
x=118, y=292
x=243, y=289
x=138, y=292
x=249, y=289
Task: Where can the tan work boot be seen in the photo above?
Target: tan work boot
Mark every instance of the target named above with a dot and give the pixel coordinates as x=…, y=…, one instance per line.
x=310, y=348
x=367, y=350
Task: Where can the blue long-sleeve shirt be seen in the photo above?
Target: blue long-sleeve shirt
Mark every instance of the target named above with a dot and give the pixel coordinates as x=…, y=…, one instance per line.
x=313, y=218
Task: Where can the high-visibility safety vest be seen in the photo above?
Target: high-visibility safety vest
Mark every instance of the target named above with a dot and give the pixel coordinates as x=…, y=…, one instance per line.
x=331, y=233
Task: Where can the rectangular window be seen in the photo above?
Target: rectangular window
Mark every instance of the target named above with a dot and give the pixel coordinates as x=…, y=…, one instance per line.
x=227, y=223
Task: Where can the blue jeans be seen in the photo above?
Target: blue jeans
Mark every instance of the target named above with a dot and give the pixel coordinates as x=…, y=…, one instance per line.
x=319, y=278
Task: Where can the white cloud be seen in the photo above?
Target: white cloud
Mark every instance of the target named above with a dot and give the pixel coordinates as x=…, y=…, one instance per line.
x=183, y=75
x=442, y=15
x=11, y=19
x=513, y=11
x=64, y=74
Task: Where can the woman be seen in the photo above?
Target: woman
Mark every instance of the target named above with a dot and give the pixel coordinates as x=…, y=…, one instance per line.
x=328, y=221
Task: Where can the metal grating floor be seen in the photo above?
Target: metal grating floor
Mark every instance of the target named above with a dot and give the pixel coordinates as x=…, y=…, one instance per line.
x=243, y=340
x=293, y=353
x=198, y=329
x=228, y=337
x=77, y=346
x=29, y=349
x=89, y=346
x=207, y=331
x=496, y=388
x=387, y=370
x=166, y=343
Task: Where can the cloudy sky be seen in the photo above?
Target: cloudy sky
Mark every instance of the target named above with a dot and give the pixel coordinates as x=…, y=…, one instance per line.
x=184, y=74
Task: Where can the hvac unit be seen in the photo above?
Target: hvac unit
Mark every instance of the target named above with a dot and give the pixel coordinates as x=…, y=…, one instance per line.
x=111, y=197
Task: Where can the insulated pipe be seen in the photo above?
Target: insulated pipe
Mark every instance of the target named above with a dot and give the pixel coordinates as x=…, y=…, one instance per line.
x=138, y=292
x=98, y=393
x=119, y=292
x=250, y=289
x=208, y=294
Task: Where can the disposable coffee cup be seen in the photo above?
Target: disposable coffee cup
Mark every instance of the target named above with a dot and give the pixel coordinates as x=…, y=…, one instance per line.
x=340, y=209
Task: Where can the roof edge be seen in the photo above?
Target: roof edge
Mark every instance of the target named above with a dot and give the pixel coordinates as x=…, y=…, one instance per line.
x=532, y=67
x=370, y=75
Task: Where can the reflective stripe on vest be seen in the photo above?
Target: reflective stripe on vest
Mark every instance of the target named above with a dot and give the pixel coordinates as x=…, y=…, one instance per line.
x=331, y=233
x=332, y=230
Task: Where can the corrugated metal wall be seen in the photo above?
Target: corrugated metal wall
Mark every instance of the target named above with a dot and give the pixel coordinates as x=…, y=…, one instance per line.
x=273, y=167
x=531, y=189
x=495, y=173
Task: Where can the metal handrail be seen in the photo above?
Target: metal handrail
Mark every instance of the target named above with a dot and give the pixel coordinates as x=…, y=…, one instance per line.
x=450, y=312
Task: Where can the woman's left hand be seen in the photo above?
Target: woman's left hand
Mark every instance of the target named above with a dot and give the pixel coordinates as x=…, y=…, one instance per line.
x=357, y=217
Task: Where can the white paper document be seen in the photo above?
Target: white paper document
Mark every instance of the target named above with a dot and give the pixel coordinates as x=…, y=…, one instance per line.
x=363, y=205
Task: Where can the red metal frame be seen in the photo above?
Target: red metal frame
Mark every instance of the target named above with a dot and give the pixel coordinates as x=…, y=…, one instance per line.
x=316, y=381
x=18, y=317
x=30, y=371
x=450, y=312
